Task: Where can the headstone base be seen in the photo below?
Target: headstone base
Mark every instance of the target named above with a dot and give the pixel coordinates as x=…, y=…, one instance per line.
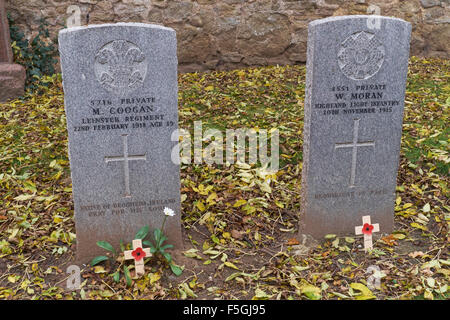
x=12, y=81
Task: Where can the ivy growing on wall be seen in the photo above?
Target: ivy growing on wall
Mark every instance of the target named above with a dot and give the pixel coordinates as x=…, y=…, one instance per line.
x=37, y=55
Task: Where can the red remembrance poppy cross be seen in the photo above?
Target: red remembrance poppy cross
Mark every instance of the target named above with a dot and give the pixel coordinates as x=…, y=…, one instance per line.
x=138, y=254
x=367, y=229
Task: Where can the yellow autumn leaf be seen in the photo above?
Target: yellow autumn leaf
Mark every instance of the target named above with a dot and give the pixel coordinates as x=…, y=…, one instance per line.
x=57, y=175
x=415, y=187
x=186, y=291
x=428, y=295
x=279, y=204
x=192, y=253
x=99, y=269
x=418, y=226
x=200, y=206
x=261, y=295
x=239, y=203
x=399, y=236
x=154, y=277
x=29, y=185
x=248, y=209
x=265, y=187
x=24, y=197
x=365, y=292
x=204, y=218
x=312, y=292
x=230, y=265
x=211, y=197
x=407, y=205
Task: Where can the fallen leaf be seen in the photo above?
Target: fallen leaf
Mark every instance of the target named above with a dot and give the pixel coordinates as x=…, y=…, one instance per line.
x=24, y=197
x=389, y=240
x=192, y=253
x=99, y=269
x=310, y=291
x=416, y=254
x=365, y=292
x=237, y=234
x=260, y=295
x=239, y=203
x=399, y=236
x=230, y=265
x=154, y=277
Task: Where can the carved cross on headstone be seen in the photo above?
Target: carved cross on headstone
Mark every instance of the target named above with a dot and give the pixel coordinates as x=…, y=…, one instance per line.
x=126, y=158
x=367, y=229
x=354, y=145
x=138, y=254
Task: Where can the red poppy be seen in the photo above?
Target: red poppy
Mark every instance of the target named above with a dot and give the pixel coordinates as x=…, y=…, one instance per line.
x=367, y=229
x=138, y=254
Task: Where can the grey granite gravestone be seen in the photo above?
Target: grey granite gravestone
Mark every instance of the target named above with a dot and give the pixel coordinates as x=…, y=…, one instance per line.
x=120, y=86
x=355, y=90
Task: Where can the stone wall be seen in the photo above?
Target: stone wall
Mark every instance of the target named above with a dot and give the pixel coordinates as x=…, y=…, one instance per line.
x=226, y=34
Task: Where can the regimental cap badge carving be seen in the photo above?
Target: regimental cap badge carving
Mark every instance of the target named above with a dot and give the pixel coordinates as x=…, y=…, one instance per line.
x=361, y=56
x=120, y=67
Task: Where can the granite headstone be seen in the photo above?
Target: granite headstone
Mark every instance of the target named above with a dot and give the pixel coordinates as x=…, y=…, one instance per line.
x=355, y=90
x=120, y=86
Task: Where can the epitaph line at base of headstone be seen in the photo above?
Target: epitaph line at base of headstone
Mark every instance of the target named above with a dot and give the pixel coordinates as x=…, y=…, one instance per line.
x=355, y=90
x=120, y=87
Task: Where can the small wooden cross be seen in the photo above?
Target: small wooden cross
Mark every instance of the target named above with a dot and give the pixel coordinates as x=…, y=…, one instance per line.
x=138, y=254
x=367, y=229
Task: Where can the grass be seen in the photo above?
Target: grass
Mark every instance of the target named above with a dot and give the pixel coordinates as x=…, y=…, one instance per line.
x=239, y=237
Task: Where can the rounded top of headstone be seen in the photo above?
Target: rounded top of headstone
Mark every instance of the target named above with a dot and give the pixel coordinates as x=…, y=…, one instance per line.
x=118, y=24
x=353, y=17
